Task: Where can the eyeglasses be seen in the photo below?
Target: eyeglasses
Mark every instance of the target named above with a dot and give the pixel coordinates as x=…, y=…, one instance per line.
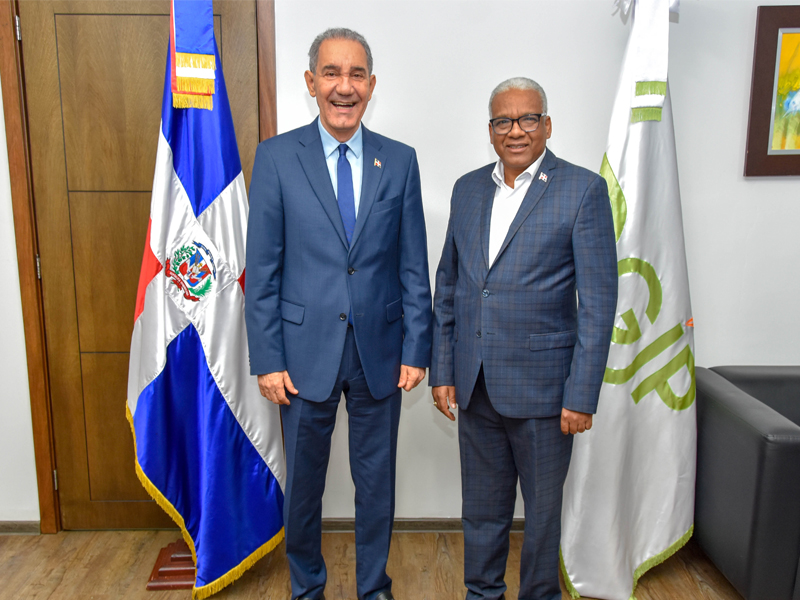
x=528, y=123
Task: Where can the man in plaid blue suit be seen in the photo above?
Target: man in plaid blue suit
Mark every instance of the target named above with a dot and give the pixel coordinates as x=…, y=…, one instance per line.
x=514, y=346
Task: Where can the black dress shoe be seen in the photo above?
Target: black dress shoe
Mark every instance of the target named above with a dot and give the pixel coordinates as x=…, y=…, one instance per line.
x=384, y=596
x=322, y=597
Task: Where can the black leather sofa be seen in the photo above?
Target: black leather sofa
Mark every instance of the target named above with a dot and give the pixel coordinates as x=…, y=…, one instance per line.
x=747, y=508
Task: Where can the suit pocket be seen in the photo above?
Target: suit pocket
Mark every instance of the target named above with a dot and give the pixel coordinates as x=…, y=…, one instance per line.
x=382, y=205
x=550, y=341
x=547, y=364
x=394, y=310
x=292, y=312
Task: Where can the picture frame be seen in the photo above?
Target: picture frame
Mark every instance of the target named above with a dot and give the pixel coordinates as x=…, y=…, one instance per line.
x=773, y=130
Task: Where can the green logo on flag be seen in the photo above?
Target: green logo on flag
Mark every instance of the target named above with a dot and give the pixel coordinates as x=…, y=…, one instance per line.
x=659, y=381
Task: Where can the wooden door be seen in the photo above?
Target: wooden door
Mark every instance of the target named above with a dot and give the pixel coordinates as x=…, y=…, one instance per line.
x=94, y=75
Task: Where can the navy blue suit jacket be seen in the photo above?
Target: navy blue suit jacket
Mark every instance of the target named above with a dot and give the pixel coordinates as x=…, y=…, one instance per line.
x=302, y=275
x=540, y=349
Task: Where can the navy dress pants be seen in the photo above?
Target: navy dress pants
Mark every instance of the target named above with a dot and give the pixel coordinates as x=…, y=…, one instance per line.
x=307, y=428
x=495, y=452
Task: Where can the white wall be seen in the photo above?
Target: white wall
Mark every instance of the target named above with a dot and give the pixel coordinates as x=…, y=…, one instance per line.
x=436, y=62
x=18, y=493
x=742, y=243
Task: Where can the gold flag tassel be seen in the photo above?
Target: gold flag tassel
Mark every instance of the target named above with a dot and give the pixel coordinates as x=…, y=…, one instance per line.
x=194, y=85
x=192, y=101
x=195, y=61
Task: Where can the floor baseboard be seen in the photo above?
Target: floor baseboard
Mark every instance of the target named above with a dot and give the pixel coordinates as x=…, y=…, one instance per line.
x=410, y=525
x=19, y=527
x=328, y=526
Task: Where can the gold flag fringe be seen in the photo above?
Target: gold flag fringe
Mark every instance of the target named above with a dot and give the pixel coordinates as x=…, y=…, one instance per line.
x=156, y=494
x=202, y=592
x=194, y=85
x=215, y=586
x=192, y=101
x=195, y=61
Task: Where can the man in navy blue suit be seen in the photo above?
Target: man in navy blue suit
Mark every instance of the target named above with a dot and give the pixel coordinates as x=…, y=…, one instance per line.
x=338, y=301
x=516, y=351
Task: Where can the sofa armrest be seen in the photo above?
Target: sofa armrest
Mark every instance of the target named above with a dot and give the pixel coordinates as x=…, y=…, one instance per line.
x=747, y=509
x=776, y=386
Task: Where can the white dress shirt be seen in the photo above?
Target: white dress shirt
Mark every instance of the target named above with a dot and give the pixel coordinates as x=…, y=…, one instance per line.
x=355, y=156
x=507, y=201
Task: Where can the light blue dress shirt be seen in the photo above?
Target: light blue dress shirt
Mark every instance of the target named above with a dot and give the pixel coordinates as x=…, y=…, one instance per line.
x=355, y=156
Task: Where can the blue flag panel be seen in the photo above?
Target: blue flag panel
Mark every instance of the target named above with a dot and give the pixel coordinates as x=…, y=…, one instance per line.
x=194, y=26
x=193, y=450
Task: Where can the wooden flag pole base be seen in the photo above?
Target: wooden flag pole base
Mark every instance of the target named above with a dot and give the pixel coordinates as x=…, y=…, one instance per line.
x=174, y=569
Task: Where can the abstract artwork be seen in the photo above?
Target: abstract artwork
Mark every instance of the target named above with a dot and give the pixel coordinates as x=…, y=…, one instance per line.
x=773, y=130
x=785, y=122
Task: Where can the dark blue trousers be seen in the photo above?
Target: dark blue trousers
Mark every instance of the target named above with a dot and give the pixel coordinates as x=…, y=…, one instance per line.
x=495, y=452
x=307, y=428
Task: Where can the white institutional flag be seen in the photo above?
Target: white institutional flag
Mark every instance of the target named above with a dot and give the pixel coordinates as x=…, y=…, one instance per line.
x=629, y=495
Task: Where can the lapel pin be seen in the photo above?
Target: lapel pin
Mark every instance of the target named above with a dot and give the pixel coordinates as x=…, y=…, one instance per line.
x=377, y=163
x=543, y=177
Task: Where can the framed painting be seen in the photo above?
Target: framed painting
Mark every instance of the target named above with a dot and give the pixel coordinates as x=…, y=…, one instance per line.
x=773, y=131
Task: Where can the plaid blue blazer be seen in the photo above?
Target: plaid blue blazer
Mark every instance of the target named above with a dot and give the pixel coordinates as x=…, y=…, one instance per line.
x=542, y=346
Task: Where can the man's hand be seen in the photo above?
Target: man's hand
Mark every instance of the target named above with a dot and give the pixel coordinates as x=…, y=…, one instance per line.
x=410, y=377
x=573, y=421
x=444, y=397
x=273, y=386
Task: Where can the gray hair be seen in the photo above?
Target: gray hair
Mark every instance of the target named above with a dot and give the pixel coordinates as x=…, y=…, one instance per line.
x=518, y=83
x=337, y=33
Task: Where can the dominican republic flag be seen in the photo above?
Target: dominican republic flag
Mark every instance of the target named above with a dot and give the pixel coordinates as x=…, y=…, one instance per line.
x=208, y=446
x=629, y=495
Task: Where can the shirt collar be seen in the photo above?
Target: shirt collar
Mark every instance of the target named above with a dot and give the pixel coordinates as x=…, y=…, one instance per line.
x=330, y=144
x=499, y=173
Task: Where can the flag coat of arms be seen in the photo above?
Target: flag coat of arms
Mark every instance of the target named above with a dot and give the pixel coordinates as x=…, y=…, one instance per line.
x=208, y=445
x=629, y=495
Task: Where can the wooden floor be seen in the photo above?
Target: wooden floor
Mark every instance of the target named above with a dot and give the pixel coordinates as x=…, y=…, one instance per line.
x=115, y=565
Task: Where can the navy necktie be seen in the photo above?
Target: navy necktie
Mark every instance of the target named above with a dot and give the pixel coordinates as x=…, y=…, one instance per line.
x=345, y=196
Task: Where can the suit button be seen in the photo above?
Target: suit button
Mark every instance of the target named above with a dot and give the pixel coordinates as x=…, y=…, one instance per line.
x=342, y=317
x=478, y=333
x=485, y=293
x=351, y=270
